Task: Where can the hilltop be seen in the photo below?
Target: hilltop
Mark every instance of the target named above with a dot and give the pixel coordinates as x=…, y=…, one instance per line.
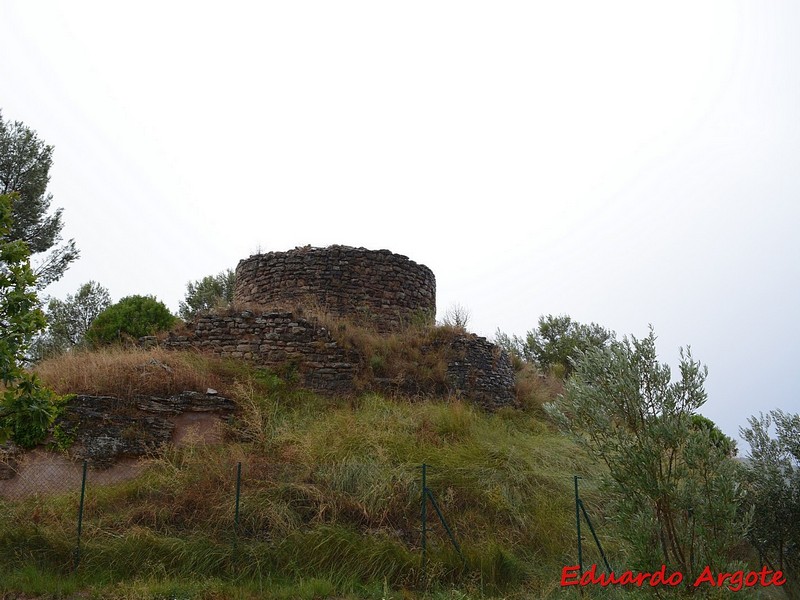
x=330, y=493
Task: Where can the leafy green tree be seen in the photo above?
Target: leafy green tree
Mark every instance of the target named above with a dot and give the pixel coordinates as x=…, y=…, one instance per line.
x=26, y=407
x=718, y=438
x=69, y=319
x=773, y=493
x=556, y=343
x=674, y=488
x=25, y=163
x=212, y=291
x=131, y=317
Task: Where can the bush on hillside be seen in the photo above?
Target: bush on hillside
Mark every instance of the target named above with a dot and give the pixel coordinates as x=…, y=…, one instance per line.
x=26, y=407
x=213, y=291
x=718, y=438
x=772, y=492
x=457, y=317
x=556, y=344
x=133, y=316
x=669, y=474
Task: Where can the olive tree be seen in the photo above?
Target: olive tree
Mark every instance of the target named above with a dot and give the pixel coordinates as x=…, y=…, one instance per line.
x=556, y=343
x=213, y=291
x=773, y=492
x=69, y=320
x=673, y=484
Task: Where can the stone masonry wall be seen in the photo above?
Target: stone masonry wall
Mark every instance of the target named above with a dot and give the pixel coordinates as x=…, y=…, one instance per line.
x=384, y=288
x=481, y=371
x=273, y=339
x=477, y=370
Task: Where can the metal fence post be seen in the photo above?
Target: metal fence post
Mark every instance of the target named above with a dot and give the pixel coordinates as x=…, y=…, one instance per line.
x=578, y=525
x=424, y=517
x=446, y=526
x=80, y=517
x=594, y=535
x=236, y=513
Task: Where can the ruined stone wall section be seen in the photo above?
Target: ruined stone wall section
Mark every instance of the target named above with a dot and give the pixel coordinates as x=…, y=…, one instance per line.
x=274, y=339
x=385, y=289
x=477, y=370
x=373, y=287
x=481, y=371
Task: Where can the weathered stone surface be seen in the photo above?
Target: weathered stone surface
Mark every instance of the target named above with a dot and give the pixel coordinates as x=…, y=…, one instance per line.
x=105, y=428
x=185, y=402
x=477, y=370
x=275, y=339
x=385, y=289
x=481, y=371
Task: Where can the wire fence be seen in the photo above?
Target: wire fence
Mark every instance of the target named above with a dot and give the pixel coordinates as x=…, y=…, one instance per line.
x=42, y=476
x=580, y=511
x=241, y=505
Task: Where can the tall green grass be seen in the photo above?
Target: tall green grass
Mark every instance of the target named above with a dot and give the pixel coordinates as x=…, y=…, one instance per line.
x=330, y=506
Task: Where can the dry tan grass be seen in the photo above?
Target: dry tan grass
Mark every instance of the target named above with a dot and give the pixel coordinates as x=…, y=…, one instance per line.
x=533, y=389
x=413, y=358
x=127, y=372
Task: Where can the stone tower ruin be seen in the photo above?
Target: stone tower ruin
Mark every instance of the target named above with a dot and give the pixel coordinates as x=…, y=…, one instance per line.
x=271, y=327
x=377, y=287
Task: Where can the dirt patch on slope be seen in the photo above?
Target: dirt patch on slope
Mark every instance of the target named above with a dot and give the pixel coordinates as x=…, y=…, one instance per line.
x=42, y=471
x=196, y=428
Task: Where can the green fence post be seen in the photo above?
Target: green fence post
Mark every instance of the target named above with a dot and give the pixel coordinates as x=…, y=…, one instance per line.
x=424, y=517
x=578, y=525
x=80, y=517
x=594, y=535
x=236, y=512
x=447, y=527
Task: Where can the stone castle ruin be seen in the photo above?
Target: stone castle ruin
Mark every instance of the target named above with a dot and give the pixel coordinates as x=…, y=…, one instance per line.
x=278, y=291
x=384, y=289
x=292, y=309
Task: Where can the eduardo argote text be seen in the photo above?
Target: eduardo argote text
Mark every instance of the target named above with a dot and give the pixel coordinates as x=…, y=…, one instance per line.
x=736, y=581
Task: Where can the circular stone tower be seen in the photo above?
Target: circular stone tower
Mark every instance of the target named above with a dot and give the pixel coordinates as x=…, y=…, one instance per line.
x=385, y=289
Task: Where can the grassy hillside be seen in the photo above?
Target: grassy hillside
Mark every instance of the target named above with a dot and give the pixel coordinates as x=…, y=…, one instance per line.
x=330, y=496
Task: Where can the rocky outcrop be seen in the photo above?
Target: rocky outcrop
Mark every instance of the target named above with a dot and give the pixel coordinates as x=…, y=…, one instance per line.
x=103, y=428
x=280, y=340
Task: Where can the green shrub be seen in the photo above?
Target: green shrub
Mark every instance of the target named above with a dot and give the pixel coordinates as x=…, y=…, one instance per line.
x=555, y=345
x=28, y=413
x=213, y=291
x=26, y=408
x=133, y=316
x=672, y=481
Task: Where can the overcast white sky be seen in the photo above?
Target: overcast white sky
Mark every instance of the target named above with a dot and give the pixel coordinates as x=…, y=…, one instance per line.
x=625, y=163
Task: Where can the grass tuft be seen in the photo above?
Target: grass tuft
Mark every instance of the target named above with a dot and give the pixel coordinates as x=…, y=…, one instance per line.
x=126, y=372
